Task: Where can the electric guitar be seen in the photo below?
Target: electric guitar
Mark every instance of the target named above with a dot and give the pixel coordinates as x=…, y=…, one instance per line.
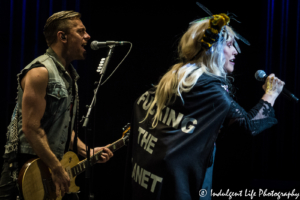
x=35, y=177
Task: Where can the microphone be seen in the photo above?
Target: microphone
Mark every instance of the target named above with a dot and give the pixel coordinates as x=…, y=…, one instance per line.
x=261, y=75
x=95, y=45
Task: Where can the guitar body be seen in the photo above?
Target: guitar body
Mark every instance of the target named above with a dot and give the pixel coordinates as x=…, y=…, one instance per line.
x=35, y=178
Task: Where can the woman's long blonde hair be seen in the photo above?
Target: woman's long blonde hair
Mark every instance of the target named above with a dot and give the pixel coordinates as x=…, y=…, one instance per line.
x=195, y=61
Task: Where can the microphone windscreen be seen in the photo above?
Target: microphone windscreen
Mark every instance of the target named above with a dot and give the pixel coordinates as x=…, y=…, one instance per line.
x=260, y=75
x=94, y=45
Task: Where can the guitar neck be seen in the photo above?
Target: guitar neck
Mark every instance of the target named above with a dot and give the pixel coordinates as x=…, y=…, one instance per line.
x=81, y=166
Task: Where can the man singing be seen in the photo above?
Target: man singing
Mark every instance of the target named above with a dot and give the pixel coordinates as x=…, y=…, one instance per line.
x=43, y=120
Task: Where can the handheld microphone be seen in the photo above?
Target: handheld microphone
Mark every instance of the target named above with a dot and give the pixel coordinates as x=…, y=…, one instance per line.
x=95, y=45
x=261, y=75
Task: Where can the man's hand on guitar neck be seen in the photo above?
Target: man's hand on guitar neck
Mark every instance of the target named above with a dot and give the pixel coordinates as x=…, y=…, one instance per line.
x=105, y=155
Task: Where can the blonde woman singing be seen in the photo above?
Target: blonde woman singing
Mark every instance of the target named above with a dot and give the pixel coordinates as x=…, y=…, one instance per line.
x=176, y=123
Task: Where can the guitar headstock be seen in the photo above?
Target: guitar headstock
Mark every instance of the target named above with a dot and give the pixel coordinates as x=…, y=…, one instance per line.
x=126, y=133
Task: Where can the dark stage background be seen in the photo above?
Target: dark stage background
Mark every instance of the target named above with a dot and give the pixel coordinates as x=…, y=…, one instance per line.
x=269, y=160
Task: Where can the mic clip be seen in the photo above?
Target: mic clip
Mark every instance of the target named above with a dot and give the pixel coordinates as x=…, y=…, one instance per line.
x=82, y=119
x=111, y=45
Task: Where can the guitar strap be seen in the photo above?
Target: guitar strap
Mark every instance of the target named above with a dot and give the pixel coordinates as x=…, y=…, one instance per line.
x=74, y=148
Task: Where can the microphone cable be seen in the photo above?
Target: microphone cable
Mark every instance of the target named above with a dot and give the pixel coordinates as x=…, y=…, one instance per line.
x=118, y=64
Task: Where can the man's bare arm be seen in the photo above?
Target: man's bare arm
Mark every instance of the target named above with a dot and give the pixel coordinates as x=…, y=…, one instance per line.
x=34, y=85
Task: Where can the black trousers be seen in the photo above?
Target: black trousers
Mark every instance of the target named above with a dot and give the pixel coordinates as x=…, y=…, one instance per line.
x=8, y=187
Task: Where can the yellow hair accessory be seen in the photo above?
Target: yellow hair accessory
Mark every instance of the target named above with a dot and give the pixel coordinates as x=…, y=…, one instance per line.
x=219, y=21
x=215, y=25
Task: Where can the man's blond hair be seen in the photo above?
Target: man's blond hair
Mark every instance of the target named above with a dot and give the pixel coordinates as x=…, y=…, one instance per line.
x=59, y=21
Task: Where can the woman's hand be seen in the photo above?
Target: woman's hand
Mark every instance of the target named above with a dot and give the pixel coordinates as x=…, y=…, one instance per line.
x=272, y=87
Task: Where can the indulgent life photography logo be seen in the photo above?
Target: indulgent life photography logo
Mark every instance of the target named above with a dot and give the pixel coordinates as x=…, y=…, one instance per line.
x=251, y=193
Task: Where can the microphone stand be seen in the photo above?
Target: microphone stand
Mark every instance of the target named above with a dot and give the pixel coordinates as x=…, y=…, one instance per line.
x=90, y=196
